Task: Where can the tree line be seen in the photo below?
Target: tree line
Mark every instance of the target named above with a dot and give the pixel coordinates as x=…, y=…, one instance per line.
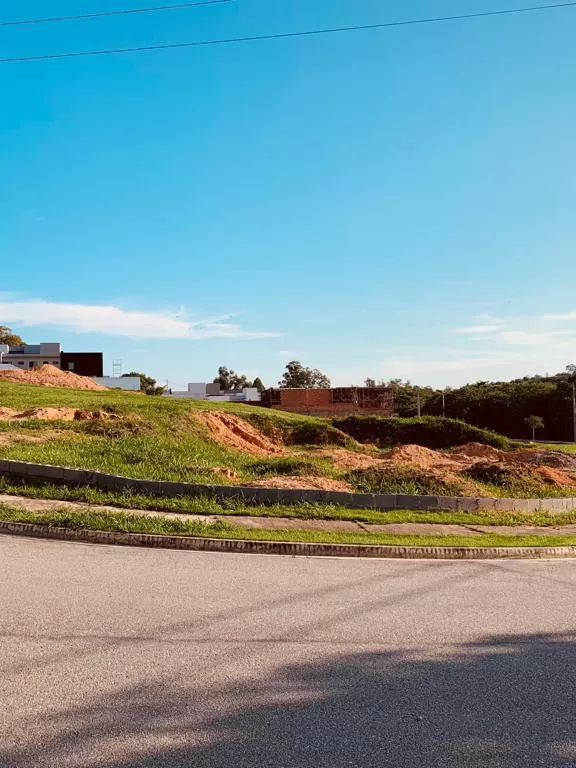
x=524, y=407
x=532, y=406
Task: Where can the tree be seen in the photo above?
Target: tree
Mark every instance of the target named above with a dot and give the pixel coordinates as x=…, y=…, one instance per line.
x=299, y=377
x=147, y=383
x=230, y=380
x=257, y=384
x=7, y=337
x=534, y=422
x=370, y=383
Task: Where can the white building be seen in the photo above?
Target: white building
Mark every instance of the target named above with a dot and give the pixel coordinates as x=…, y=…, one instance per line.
x=28, y=356
x=213, y=393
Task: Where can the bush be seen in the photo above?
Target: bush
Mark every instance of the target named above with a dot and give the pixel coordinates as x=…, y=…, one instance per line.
x=429, y=431
x=291, y=432
x=406, y=480
x=315, y=434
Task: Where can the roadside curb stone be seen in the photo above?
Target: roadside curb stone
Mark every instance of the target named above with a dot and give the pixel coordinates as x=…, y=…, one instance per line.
x=46, y=472
x=287, y=548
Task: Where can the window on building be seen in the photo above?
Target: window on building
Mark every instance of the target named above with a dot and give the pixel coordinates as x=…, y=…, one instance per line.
x=45, y=362
x=70, y=366
x=31, y=364
x=55, y=362
x=20, y=362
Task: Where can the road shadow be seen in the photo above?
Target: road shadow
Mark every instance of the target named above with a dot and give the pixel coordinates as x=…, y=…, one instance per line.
x=502, y=702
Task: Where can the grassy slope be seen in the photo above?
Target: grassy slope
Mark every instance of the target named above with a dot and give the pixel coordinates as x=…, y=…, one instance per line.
x=120, y=521
x=157, y=438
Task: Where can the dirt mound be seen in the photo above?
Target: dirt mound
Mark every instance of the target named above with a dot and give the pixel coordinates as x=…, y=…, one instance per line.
x=556, y=476
x=518, y=474
x=304, y=483
x=478, y=451
x=50, y=376
x=424, y=458
x=349, y=459
x=233, y=432
x=54, y=414
x=539, y=457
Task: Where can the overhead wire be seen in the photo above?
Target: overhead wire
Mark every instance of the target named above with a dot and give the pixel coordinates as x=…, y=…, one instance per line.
x=103, y=14
x=289, y=35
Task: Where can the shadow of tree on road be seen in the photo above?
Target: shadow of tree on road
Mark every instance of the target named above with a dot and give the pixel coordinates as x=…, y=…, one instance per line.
x=504, y=701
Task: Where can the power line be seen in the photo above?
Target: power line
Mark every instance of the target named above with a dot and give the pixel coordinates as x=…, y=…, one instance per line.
x=126, y=12
x=287, y=35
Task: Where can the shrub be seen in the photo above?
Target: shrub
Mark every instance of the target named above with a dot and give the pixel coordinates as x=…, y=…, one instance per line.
x=291, y=432
x=429, y=431
x=315, y=434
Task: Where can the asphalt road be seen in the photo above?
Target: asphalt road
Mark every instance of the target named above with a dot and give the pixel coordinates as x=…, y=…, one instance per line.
x=130, y=658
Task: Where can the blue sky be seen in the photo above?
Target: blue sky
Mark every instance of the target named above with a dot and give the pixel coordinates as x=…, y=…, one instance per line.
x=393, y=203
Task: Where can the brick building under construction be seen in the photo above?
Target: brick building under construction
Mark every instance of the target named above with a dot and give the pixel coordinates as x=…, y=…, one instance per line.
x=341, y=401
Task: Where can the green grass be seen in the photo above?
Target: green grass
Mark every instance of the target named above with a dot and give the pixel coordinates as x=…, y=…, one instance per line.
x=401, y=479
x=564, y=447
x=234, y=507
x=156, y=438
x=125, y=522
x=159, y=439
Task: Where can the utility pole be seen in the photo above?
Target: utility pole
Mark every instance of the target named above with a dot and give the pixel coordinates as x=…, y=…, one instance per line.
x=418, y=409
x=574, y=407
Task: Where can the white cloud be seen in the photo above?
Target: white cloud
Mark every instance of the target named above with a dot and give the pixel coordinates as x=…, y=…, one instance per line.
x=534, y=338
x=92, y=318
x=485, y=323
x=561, y=317
x=478, y=329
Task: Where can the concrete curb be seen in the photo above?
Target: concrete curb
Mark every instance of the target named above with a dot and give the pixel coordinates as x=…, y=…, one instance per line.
x=48, y=473
x=289, y=548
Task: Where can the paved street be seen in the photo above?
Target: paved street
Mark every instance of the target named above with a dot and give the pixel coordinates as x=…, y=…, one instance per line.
x=128, y=658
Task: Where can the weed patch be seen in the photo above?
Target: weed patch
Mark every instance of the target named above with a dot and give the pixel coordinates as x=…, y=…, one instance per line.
x=404, y=480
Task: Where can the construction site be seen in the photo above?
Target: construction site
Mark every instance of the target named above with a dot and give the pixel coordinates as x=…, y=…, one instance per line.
x=340, y=401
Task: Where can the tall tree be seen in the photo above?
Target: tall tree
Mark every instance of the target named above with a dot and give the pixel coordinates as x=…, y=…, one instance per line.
x=7, y=337
x=257, y=384
x=230, y=380
x=534, y=422
x=298, y=376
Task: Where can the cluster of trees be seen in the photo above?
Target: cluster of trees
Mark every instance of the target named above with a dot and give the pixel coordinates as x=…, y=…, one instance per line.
x=7, y=337
x=518, y=408
x=228, y=379
x=296, y=376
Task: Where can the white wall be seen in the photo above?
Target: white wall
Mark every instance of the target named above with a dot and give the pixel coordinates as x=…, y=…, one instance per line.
x=128, y=383
x=197, y=388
